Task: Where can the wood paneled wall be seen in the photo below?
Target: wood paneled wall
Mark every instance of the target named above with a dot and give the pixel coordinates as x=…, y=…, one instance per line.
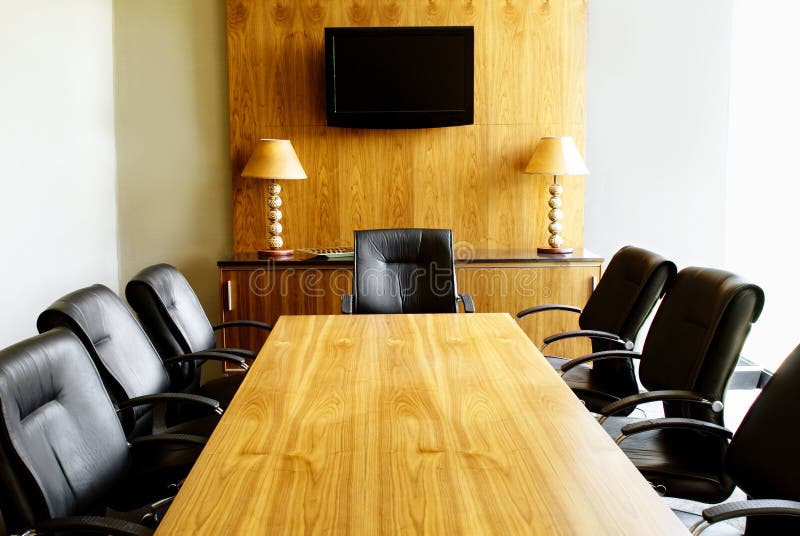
x=530, y=72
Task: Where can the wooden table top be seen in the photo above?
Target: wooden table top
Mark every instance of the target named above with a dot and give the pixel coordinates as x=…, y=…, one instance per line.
x=409, y=424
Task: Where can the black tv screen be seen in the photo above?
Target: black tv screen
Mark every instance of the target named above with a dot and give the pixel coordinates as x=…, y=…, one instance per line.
x=399, y=77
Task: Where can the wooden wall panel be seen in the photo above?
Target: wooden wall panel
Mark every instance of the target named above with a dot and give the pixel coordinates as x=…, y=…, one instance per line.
x=530, y=69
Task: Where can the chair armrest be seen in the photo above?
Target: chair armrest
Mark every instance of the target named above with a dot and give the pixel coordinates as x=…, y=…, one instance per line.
x=169, y=438
x=755, y=507
x=657, y=396
x=550, y=307
x=347, y=304
x=243, y=324
x=169, y=397
x=241, y=352
x=160, y=400
x=469, y=305
x=590, y=333
x=209, y=354
x=597, y=356
x=673, y=423
x=91, y=524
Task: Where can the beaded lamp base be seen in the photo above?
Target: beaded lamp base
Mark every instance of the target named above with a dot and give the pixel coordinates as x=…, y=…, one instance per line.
x=274, y=253
x=554, y=251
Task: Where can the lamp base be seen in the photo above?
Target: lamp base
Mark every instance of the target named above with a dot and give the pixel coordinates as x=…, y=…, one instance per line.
x=554, y=251
x=274, y=253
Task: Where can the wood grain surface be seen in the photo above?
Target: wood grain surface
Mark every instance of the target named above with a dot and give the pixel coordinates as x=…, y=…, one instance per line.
x=410, y=424
x=530, y=70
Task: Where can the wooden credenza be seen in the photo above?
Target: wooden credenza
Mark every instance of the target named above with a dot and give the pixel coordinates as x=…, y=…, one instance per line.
x=499, y=281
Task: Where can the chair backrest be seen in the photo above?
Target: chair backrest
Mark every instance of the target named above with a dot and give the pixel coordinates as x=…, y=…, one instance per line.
x=696, y=336
x=173, y=318
x=127, y=361
x=633, y=282
x=62, y=445
x=404, y=271
x=762, y=457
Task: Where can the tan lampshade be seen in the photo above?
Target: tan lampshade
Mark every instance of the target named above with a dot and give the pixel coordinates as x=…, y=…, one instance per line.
x=274, y=159
x=556, y=156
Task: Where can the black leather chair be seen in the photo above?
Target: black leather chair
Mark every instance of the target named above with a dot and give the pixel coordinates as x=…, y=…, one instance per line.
x=761, y=458
x=404, y=271
x=692, y=346
x=687, y=360
x=133, y=372
x=63, y=451
x=176, y=323
x=633, y=282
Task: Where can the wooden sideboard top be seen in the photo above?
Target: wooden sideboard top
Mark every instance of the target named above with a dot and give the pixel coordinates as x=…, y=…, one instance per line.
x=462, y=257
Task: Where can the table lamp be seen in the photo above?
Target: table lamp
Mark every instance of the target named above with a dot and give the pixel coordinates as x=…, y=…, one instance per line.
x=273, y=160
x=556, y=156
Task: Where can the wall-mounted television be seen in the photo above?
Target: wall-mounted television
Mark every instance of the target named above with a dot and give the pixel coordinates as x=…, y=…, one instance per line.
x=399, y=77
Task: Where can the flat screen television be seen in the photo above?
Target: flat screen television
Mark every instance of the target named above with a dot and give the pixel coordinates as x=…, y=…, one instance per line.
x=399, y=77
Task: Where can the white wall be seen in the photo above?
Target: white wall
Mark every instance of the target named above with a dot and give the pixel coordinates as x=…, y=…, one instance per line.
x=57, y=163
x=171, y=85
x=657, y=119
x=692, y=114
x=763, y=170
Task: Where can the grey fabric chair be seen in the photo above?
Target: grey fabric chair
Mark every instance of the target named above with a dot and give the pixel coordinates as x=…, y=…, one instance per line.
x=404, y=271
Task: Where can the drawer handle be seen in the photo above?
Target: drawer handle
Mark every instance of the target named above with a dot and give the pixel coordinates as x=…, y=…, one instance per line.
x=228, y=296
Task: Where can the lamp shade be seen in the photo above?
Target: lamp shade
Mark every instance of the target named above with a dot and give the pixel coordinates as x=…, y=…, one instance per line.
x=556, y=156
x=274, y=159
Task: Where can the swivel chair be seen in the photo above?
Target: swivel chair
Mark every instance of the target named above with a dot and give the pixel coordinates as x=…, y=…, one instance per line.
x=633, y=282
x=761, y=459
x=173, y=318
x=404, y=271
x=130, y=367
x=63, y=452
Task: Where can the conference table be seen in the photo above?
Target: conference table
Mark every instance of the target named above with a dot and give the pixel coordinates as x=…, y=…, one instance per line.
x=410, y=424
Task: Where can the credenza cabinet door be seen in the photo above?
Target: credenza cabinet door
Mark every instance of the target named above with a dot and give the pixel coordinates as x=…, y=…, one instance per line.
x=265, y=294
x=512, y=288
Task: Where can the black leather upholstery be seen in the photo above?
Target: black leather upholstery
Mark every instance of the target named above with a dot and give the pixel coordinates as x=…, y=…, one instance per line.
x=119, y=347
x=696, y=337
x=693, y=345
x=60, y=423
x=173, y=318
x=633, y=282
x=63, y=450
x=404, y=271
x=761, y=458
x=127, y=361
x=176, y=323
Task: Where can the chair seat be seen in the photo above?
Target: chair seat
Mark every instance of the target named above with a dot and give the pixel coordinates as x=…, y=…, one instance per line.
x=154, y=468
x=222, y=389
x=157, y=465
x=591, y=388
x=685, y=462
